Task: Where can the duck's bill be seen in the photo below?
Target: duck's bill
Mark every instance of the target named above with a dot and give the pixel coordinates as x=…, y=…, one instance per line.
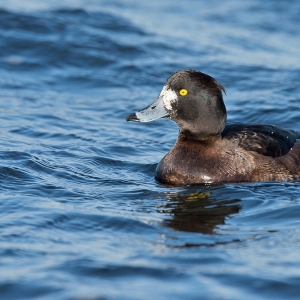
x=154, y=111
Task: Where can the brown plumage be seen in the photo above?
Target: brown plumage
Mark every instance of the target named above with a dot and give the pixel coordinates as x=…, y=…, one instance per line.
x=207, y=151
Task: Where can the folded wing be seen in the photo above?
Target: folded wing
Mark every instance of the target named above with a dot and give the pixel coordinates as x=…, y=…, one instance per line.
x=267, y=140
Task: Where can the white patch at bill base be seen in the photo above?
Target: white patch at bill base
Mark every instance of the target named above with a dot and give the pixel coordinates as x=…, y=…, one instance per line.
x=169, y=97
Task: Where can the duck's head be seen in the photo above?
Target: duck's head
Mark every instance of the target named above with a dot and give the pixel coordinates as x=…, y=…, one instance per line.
x=193, y=100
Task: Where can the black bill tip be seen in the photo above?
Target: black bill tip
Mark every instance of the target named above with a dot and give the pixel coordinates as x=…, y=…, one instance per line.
x=132, y=117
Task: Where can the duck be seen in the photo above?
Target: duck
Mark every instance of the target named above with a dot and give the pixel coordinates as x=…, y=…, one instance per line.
x=210, y=151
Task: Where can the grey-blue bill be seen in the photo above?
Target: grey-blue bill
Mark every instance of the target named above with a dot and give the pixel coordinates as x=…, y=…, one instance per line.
x=154, y=111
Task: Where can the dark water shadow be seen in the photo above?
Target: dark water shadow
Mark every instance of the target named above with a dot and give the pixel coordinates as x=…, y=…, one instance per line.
x=198, y=211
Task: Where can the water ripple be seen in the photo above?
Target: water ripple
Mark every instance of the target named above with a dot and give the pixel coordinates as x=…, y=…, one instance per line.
x=81, y=213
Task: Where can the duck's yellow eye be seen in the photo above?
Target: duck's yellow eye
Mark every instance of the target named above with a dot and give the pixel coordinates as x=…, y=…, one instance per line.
x=183, y=92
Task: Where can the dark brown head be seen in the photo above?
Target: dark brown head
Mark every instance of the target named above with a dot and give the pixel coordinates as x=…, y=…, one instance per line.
x=193, y=100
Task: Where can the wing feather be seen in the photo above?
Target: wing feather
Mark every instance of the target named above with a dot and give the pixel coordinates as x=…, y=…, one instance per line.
x=267, y=140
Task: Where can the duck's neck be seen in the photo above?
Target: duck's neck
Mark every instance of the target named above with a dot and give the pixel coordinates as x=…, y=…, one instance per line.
x=198, y=138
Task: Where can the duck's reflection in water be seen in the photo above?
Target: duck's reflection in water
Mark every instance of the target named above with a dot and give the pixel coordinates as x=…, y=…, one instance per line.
x=197, y=211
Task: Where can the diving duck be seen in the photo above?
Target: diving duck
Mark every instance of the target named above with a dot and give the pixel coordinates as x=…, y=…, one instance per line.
x=209, y=151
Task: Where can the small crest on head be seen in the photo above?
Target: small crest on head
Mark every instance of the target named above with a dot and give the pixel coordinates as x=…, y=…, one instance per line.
x=183, y=79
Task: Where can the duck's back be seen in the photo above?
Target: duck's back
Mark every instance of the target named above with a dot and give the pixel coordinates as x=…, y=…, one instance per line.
x=267, y=140
x=244, y=153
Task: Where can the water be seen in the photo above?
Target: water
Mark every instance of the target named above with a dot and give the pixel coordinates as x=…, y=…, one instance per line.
x=81, y=214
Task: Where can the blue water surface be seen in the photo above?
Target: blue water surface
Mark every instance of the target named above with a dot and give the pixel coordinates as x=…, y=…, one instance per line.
x=81, y=216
